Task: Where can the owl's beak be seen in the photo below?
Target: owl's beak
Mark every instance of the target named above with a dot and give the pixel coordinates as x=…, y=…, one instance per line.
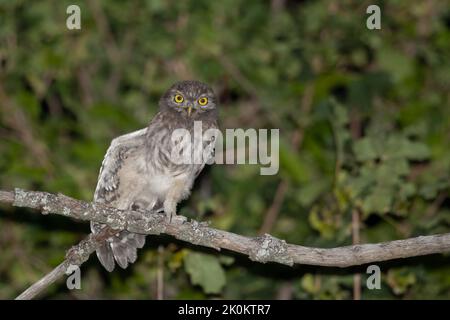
x=189, y=109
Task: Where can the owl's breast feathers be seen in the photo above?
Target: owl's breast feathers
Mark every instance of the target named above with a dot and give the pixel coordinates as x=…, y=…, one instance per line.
x=133, y=160
x=161, y=144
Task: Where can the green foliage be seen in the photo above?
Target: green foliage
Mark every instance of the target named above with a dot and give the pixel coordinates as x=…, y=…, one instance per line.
x=206, y=271
x=364, y=119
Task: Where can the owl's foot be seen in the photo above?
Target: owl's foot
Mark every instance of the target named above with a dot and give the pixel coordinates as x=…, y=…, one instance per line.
x=176, y=219
x=170, y=209
x=171, y=217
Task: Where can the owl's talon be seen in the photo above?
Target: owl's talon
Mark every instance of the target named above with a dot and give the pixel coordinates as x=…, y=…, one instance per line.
x=169, y=215
x=170, y=210
x=176, y=219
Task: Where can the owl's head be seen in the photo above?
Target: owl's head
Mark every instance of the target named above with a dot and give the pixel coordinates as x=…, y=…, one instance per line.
x=190, y=98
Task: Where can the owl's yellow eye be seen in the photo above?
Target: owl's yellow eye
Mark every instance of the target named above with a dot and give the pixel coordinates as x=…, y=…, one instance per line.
x=178, y=98
x=203, y=101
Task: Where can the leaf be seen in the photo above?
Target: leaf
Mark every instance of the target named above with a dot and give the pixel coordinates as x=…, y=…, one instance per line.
x=407, y=190
x=322, y=221
x=308, y=283
x=380, y=200
x=396, y=63
x=291, y=164
x=398, y=146
x=416, y=151
x=431, y=190
x=360, y=185
x=399, y=167
x=206, y=271
x=177, y=259
x=226, y=260
x=400, y=280
x=365, y=150
x=311, y=191
x=340, y=114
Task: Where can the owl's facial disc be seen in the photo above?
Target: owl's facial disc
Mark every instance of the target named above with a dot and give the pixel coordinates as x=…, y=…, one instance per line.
x=189, y=98
x=191, y=105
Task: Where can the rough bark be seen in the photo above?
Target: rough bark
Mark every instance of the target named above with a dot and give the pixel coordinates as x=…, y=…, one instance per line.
x=262, y=249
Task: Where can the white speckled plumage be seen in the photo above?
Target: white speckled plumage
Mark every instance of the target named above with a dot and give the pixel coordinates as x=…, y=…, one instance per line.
x=137, y=172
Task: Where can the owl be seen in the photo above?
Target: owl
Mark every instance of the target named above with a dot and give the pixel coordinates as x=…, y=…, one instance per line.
x=139, y=173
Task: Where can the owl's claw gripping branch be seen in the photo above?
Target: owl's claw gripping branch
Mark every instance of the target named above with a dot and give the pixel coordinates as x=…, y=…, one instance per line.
x=261, y=249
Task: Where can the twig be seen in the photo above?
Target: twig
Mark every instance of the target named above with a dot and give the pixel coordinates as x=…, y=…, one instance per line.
x=160, y=274
x=285, y=291
x=356, y=240
x=272, y=213
x=440, y=199
x=261, y=249
x=277, y=6
x=356, y=132
x=44, y=283
x=77, y=255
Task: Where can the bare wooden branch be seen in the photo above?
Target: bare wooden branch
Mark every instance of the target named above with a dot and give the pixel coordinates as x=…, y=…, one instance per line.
x=76, y=255
x=262, y=249
x=6, y=196
x=45, y=282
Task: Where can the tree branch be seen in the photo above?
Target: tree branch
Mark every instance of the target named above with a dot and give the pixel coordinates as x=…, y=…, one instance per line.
x=77, y=255
x=45, y=282
x=262, y=249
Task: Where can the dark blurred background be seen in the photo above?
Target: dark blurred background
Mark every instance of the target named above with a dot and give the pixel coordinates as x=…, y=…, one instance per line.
x=364, y=118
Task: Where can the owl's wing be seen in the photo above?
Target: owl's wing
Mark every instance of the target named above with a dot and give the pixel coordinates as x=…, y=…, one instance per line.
x=123, y=246
x=108, y=179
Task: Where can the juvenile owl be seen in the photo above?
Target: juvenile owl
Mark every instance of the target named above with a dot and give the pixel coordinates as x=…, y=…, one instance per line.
x=139, y=172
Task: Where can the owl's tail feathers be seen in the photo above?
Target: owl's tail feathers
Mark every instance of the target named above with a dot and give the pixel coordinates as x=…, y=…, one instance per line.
x=105, y=256
x=122, y=248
